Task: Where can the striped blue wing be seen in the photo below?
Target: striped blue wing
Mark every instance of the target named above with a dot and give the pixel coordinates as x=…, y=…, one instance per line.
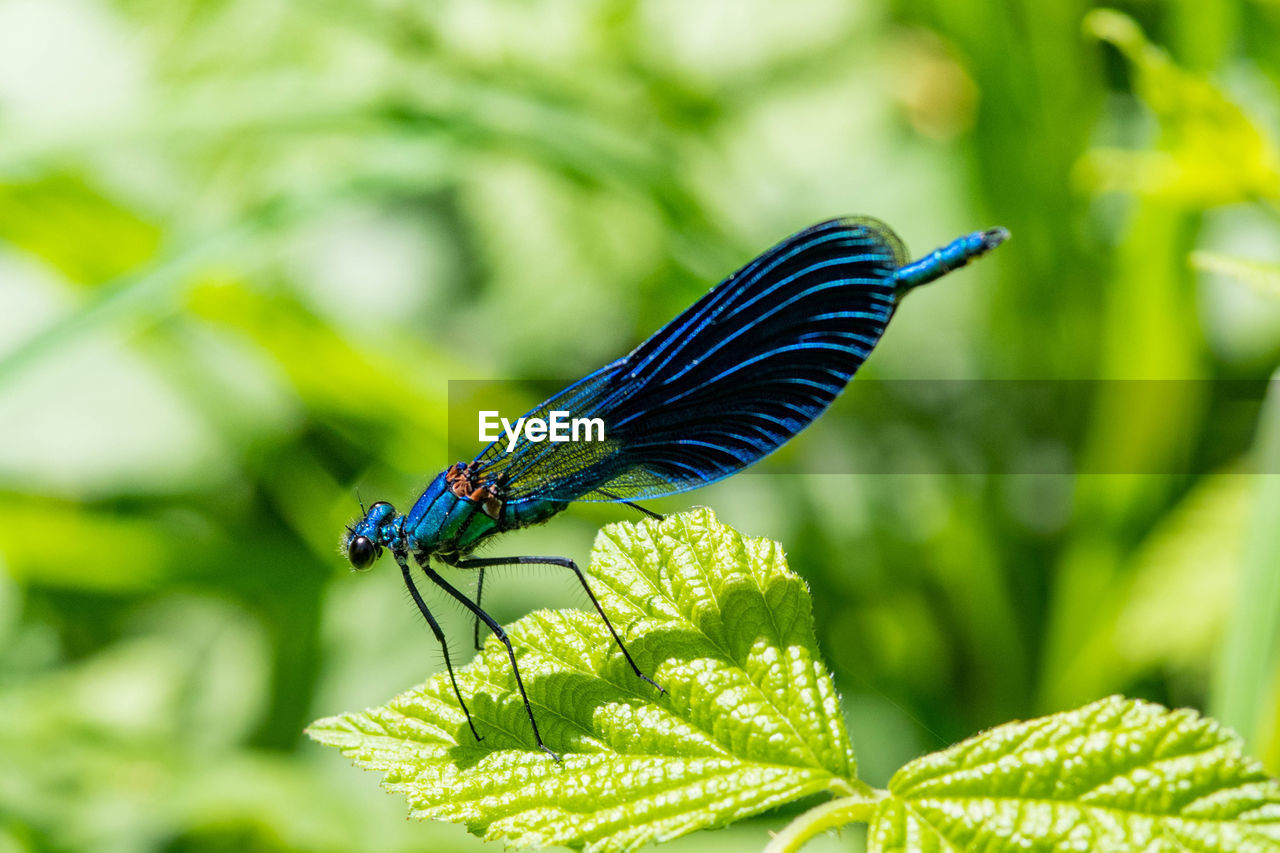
x=731, y=379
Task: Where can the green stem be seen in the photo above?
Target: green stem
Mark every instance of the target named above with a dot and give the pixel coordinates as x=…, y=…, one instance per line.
x=830, y=815
x=157, y=288
x=1245, y=675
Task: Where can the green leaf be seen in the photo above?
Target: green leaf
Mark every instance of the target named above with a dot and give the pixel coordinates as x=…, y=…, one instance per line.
x=750, y=718
x=76, y=228
x=1168, y=608
x=1209, y=152
x=1262, y=276
x=128, y=553
x=1181, y=584
x=1118, y=774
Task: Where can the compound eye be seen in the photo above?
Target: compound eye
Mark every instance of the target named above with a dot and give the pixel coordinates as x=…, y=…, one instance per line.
x=362, y=553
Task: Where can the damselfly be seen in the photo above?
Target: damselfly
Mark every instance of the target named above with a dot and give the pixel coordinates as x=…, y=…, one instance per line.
x=740, y=372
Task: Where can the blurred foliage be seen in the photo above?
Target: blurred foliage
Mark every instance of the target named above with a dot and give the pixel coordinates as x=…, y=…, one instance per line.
x=245, y=246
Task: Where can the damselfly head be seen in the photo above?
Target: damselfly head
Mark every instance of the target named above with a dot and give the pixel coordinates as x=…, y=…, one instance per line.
x=362, y=552
x=363, y=541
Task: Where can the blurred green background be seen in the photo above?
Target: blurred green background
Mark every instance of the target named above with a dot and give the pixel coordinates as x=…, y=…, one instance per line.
x=244, y=246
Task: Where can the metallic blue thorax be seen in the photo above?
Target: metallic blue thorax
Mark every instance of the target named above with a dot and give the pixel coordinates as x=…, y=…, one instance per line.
x=453, y=515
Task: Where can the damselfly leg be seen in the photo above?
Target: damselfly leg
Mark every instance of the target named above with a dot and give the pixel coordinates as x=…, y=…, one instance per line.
x=403, y=562
x=498, y=632
x=564, y=562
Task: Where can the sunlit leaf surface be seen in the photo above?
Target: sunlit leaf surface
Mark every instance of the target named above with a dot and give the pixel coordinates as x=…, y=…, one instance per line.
x=1115, y=775
x=750, y=718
